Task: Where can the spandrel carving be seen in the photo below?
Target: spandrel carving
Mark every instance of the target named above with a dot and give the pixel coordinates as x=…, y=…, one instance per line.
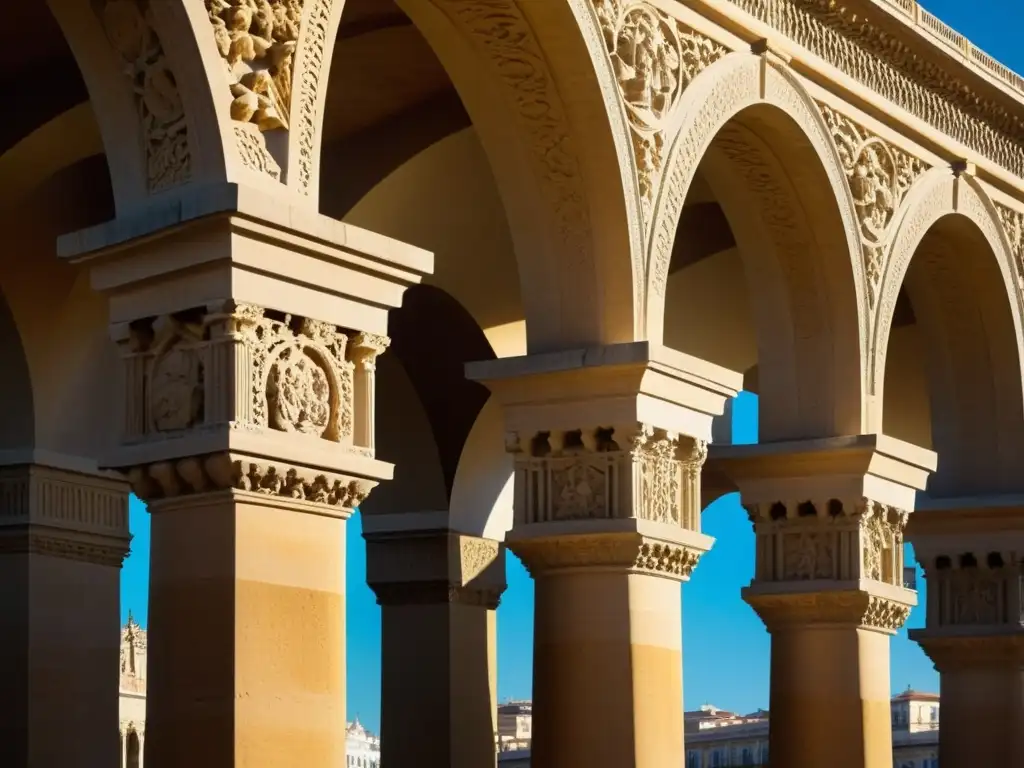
x=161, y=112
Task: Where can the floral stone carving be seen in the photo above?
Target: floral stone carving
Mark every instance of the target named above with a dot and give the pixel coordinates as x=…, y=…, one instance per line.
x=879, y=176
x=654, y=57
x=129, y=28
x=1013, y=227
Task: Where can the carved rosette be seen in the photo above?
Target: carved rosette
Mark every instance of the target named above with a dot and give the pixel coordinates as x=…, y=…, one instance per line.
x=614, y=472
x=161, y=112
x=879, y=176
x=655, y=57
x=828, y=539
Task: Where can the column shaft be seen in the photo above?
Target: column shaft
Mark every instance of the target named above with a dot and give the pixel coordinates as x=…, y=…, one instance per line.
x=247, y=642
x=830, y=698
x=62, y=539
x=608, y=671
x=982, y=716
x=438, y=592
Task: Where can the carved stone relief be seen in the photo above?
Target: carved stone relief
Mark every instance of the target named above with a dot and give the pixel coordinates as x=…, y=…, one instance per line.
x=879, y=176
x=627, y=551
x=587, y=474
x=854, y=608
x=852, y=39
x=247, y=367
x=655, y=57
x=1013, y=227
x=971, y=590
x=828, y=539
x=128, y=25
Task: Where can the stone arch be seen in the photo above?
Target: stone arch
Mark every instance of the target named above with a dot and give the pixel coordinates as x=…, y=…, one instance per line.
x=951, y=254
x=561, y=157
x=750, y=117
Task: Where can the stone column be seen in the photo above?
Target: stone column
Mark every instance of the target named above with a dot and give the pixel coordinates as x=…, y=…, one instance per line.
x=241, y=331
x=829, y=517
x=63, y=536
x=438, y=693
x=607, y=520
x=973, y=556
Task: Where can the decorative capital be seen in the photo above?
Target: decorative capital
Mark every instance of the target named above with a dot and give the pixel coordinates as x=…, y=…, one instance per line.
x=952, y=653
x=853, y=608
x=629, y=552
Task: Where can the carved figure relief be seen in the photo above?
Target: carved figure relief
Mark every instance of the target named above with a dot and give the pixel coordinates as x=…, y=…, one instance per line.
x=807, y=556
x=175, y=380
x=577, y=491
x=879, y=176
x=975, y=600
x=654, y=58
x=129, y=28
x=299, y=394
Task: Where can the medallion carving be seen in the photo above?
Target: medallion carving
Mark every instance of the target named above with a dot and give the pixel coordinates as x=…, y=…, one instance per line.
x=578, y=491
x=299, y=396
x=808, y=556
x=129, y=28
x=879, y=176
x=654, y=57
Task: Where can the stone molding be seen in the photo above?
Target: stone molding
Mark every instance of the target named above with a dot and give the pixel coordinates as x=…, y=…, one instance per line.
x=855, y=608
x=401, y=593
x=627, y=552
x=974, y=651
x=59, y=513
x=333, y=492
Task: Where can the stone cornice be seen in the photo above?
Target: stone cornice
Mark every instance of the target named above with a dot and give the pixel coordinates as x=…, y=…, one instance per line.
x=874, y=47
x=972, y=651
x=64, y=544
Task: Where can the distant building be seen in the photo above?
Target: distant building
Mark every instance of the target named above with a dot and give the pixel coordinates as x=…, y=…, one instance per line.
x=515, y=726
x=362, y=748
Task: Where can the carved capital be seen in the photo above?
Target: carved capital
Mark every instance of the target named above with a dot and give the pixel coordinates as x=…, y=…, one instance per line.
x=225, y=471
x=973, y=592
x=828, y=539
x=628, y=471
x=628, y=552
x=852, y=608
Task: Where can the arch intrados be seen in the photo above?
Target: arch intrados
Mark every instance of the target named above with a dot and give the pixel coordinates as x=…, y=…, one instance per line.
x=951, y=257
x=786, y=210
x=724, y=93
x=572, y=234
x=938, y=195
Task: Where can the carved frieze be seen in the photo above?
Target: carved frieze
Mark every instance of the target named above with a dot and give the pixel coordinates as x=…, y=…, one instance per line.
x=654, y=57
x=609, y=473
x=240, y=365
x=879, y=176
x=223, y=471
x=129, y=28
x=855, y=41
x=968, y=589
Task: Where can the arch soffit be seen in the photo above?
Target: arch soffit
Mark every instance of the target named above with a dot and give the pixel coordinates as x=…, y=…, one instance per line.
x=561, y=157
x=724, y=89
x=937, y=194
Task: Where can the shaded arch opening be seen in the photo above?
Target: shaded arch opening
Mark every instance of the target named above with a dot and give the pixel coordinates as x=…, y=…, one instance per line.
x=762, y=280
x=952, y=378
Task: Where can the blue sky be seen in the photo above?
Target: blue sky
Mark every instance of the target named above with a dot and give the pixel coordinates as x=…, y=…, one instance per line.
x=726, y=650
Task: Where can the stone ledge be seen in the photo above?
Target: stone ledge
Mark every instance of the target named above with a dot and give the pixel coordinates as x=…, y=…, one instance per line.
x=972, y=647
x=66, y=544
x=859, y=604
